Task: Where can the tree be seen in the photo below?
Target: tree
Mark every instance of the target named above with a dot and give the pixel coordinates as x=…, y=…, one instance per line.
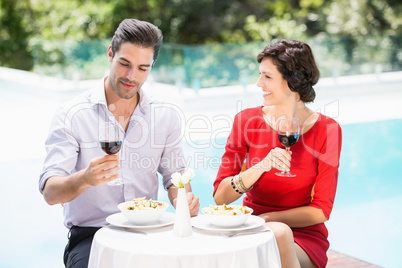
x=27, y=25
x=15, y=34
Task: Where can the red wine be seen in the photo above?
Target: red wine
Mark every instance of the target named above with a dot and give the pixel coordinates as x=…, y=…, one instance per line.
x=110, y=147
x=288, y=140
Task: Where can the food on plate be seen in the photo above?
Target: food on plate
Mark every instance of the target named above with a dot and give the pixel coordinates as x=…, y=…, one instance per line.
x=141, y=211
x=227, y=216
x=226, y=210
x=144, y=204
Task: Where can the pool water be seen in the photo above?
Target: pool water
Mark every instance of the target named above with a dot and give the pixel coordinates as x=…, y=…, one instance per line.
x=371, y=154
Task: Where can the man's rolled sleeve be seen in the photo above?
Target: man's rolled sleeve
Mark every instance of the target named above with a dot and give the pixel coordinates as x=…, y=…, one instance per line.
x=62, y=149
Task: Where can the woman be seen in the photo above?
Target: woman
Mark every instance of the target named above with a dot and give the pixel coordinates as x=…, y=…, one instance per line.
x=294, y=208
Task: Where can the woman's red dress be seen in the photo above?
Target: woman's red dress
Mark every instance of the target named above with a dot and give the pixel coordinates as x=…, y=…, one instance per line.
x=315, y=161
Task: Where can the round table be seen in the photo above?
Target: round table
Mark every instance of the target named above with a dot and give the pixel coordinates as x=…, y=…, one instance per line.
x=123, y=247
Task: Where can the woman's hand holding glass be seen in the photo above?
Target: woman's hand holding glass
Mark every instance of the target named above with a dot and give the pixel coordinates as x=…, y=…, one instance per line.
x=277, y=158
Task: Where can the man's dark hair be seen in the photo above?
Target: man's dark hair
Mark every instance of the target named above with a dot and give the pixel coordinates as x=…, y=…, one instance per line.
x=139, y=33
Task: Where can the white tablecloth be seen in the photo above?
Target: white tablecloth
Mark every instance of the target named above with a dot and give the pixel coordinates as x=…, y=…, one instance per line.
x=159, y=248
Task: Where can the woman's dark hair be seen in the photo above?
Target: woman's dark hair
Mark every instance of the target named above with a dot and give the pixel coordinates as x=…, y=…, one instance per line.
x=140, y=33
x=295, y=61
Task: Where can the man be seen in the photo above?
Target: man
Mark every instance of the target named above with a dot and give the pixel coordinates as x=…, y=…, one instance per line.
x=76, y=170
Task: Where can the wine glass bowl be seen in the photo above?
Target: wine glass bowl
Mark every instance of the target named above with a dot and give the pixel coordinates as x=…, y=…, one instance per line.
x=110, y=140
x=288, y=135
x=110, y=147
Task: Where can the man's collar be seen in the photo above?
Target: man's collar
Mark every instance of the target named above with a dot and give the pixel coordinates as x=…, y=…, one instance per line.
x=145, y=101
x=98, y=93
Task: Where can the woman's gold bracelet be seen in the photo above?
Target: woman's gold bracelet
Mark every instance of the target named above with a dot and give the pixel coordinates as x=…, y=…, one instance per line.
x=242, y=185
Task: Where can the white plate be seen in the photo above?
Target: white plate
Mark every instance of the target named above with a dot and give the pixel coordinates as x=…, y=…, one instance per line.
x=202, y=222
x=119, y=220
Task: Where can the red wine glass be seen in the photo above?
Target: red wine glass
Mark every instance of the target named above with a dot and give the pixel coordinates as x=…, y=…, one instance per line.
x=111, y=140
x=288, y=134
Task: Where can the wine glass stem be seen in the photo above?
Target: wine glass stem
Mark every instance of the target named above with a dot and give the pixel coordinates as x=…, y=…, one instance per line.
x=121, y=170
x=287, y=149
